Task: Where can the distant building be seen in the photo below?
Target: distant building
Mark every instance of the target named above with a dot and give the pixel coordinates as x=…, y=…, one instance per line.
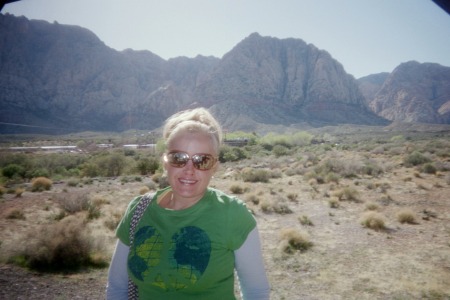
x=52, y=149
x=236, y=142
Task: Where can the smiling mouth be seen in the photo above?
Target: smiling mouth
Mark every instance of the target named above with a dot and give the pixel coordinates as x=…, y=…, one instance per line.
x=187, y=181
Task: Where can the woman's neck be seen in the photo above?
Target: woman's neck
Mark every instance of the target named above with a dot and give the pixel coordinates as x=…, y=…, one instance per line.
x=170, y=201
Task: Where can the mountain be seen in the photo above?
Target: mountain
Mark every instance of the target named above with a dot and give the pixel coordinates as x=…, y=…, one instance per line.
x=371, y=84
x=415, y=92
x=59, y=78
x=286, y=82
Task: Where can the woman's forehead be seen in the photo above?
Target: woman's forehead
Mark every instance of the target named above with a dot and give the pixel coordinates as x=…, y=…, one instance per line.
x=192, y=141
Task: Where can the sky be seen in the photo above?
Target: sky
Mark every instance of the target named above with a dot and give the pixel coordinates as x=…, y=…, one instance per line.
x=365, y=36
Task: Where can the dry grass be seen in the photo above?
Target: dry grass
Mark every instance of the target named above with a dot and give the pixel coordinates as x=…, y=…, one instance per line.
x=406, y=215
x=373, y=220
x=346, y=260
x=293, y=240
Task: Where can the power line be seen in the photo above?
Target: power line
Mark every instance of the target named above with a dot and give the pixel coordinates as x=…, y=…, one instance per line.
x=27, y=125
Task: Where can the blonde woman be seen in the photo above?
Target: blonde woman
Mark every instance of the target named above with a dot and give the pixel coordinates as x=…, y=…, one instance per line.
x=187, y=240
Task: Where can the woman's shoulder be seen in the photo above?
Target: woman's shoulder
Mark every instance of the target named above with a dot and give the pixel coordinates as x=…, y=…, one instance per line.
x=225, y=199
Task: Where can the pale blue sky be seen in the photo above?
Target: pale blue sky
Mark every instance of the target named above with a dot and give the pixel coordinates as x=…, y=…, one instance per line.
x=366, y=36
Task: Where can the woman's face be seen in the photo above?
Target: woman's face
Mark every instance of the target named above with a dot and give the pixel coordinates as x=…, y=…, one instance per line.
x=188, y=183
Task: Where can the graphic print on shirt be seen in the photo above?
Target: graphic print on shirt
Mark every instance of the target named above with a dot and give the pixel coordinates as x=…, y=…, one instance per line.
x=189, y=250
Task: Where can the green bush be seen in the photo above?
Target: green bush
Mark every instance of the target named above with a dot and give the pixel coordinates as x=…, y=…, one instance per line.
x=148, y=165
x=228, y=153
x=255, y=175
x=416, y=158
x=429, y=168
x=280, y=150
x=12, y=170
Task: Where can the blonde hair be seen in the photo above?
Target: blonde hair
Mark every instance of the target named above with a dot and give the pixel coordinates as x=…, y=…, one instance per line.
x=198, y=120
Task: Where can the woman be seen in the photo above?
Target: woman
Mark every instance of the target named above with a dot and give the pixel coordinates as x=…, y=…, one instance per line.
x=185, y=241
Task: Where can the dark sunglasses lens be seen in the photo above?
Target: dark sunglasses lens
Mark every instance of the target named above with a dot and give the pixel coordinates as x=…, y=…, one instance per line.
x=178, y=159
x=203, y=161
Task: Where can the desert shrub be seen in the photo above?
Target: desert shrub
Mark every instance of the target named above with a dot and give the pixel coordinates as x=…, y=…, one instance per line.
x=237, y=189
x=40, y=184
x=151, y=185
x=62, y=246
x=312, y=176
x=332, y=177
x=280, y=150
x=266, y=206
x=38, y=172
x=73, y=182
x=148, y=165
x=292, y=197
x=253, y=198
x=156, y=177
x=113, y=221
x=397, y=139
x=144, y=190
x=18, y=192
x=347, y=193
x=371, y=168
x=90, y=170
x=16, y=214
x=59, y=216
x=271, y=139
x=429, y=168
x=93, y=211
x=416, y=158
x=406, y=216
x=73, y=203
x=334, y=202
x=372, y=206
x=255, y=175
x=281, y=208
x=13, y=170
x=305, y=220
x=294, y=240
x=228, y=153
x=373, y=220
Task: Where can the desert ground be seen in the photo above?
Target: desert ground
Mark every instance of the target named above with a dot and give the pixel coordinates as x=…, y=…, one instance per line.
x=317, y=238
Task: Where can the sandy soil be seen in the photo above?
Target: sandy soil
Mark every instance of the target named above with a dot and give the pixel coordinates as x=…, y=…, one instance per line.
x=346, y=261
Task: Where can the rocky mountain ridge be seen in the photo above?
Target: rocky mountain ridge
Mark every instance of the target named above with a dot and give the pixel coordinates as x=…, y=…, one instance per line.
x=59, y=78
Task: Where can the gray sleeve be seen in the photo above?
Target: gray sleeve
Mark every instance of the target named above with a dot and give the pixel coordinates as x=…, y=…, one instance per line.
x=117, y=286
x=250, y=269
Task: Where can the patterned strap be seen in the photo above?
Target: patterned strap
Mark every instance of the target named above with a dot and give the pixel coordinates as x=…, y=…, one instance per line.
x=137, y=215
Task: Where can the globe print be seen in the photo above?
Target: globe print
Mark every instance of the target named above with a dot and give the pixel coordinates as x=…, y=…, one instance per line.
x=189, y=252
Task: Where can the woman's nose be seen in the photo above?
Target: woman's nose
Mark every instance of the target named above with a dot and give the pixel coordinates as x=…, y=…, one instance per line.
x=189, y=166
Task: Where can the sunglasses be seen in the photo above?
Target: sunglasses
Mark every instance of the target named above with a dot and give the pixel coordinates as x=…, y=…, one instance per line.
x=201, y=161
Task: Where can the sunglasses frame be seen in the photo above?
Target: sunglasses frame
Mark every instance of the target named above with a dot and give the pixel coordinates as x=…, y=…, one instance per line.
x=190, y=158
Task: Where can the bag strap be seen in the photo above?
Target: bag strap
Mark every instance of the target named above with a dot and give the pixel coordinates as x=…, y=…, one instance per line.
x=144, y=202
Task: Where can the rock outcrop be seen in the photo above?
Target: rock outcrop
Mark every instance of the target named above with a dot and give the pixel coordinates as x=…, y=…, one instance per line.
x=415, y=92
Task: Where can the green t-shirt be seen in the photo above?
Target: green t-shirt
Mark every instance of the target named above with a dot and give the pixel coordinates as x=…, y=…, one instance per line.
x=189, y=253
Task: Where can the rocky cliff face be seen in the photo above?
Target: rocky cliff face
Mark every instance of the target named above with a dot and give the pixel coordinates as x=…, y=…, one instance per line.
x=283, y=82
x=371, y=84
x=63, y=78
x=414, y=92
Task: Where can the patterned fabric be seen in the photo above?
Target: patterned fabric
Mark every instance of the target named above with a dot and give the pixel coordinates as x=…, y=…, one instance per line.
x=185, y=254
x=140, y=209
